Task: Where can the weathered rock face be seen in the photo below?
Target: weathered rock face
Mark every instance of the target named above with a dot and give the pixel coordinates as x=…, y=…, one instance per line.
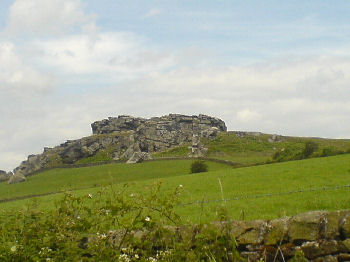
x=4, y=176
x=130, y=138
x=172, y=122
x=17, y=178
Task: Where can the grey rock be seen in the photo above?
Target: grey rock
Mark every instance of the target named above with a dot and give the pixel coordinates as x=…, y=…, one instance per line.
x=307, y=226
x=4, y=176
x=138, y=157
x=17, y=178
x=345, y=226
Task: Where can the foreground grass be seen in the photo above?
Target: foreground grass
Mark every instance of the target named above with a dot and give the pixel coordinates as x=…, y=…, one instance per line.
x=251, y=182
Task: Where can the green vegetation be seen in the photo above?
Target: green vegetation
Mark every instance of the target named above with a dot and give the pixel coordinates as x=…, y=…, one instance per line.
x=101, y=156
x=178, y=151
x=62, y=179
x=99, y=202
x=103, y=228
x=54, y=161
x=198, y=166
x=257, y=148
x=260, y=191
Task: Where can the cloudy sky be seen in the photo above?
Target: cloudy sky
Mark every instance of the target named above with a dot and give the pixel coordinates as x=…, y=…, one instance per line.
x=271, y=66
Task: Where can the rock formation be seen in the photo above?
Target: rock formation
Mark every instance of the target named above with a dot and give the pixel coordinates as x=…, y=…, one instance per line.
x=4, y=176
x=130, y=139
x=17, y=178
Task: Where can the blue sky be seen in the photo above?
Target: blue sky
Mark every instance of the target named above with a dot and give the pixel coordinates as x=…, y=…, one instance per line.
x=272, y=66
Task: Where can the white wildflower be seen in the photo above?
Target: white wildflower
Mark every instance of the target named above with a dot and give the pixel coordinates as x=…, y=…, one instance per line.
x=137, y=256
x=147, y=219
x=90, y=195
x=124, y=257
x=180, y=186
x=132, y=195
x=13, y=248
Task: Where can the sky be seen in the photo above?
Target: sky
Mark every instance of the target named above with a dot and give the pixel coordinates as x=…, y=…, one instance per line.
x=278, y=67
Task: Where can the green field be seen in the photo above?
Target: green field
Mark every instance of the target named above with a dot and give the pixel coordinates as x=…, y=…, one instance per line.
x=255, y=148
x=202, y=192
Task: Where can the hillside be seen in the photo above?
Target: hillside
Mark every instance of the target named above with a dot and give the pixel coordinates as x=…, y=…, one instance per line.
x=251, y=148
x=130, y=139
x=265, y=191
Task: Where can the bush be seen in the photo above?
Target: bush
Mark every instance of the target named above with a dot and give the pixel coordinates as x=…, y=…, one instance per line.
x=199, y=166
x=309, y=149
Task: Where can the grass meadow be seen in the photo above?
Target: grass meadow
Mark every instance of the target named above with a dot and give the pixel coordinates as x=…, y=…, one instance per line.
x=256, y=192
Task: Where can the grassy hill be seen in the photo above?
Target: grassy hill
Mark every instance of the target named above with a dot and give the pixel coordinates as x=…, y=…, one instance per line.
x=264, y=191
x=256, y=148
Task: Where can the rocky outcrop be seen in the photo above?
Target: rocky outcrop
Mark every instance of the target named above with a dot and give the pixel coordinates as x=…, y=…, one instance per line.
x=129, y=139
x=172, y=122
x=17, y=178
x=4, y=176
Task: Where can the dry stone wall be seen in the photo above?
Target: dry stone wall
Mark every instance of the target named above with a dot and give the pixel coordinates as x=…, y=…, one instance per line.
x=320, y=235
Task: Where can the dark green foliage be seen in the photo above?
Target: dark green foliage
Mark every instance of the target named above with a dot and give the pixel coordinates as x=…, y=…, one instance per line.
x=199, y=166
x=286, y=154
x=309, y=149
x=331, y=151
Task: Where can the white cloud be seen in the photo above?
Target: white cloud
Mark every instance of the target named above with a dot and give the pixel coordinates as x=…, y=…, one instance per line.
x=153, y=12
x=16, y=76
x=117, y=53
x=42, y=17
x=247, y=115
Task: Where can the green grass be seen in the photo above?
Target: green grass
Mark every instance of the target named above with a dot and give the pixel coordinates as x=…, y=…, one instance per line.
x=101, y=156
x=178, y=151
x=62, y=179
x=253, y=149
x=240, y=182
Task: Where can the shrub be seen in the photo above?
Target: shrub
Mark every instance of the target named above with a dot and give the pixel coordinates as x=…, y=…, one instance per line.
x=199, y=166
x=309, y=149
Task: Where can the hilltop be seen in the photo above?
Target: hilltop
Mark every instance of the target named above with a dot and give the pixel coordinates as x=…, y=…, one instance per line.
x=127, y=138
x=134, y=139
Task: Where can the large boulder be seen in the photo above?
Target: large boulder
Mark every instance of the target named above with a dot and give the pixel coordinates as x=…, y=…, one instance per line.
x=17, y=178
x=4, y=176
x=139, y=157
